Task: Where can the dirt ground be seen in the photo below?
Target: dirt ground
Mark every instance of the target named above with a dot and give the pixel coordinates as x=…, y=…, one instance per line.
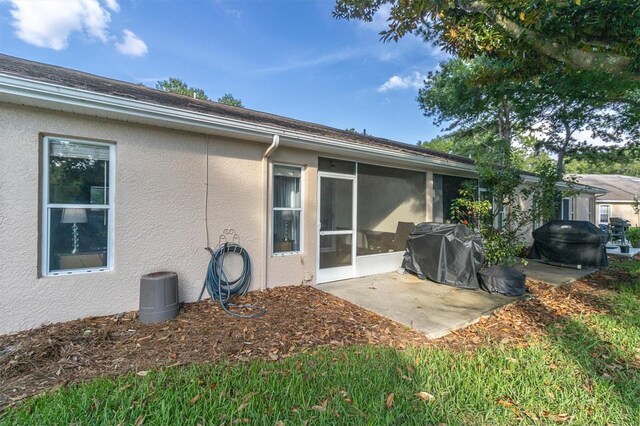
x=298, y=319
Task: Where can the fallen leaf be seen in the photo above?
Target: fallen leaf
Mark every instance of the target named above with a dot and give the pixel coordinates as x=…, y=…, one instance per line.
x=560, y=418
x=390, y=400
x=142, y=373
x=242, y=407
x=505, y=403
x=279, y=423
x=319, y=408
x=195, y=399
x=425, y=396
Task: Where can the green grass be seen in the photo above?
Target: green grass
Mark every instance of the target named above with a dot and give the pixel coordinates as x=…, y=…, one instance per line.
x=586, y=372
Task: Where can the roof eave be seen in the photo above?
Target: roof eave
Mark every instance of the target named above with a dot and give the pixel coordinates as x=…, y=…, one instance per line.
x=29, y=92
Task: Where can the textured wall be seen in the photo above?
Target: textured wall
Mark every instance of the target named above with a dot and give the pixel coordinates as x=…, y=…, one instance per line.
x=160, y=189
x=623, y=210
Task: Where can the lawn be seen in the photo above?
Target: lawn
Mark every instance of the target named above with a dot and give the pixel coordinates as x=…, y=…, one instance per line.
x=582, y=370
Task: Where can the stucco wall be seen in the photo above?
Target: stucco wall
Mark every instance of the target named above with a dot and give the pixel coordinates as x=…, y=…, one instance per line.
x=623, y=210
x=159, y=211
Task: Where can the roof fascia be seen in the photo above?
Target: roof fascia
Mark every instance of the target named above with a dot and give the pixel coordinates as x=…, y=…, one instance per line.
x=54, y=96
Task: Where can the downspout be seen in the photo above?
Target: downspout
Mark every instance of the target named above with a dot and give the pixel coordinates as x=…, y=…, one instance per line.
x=265, y=199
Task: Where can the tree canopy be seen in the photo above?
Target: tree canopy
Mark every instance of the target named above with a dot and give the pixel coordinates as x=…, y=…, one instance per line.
x=176, y=85
x=494, y=96
x=594, y=35
x=228, y=99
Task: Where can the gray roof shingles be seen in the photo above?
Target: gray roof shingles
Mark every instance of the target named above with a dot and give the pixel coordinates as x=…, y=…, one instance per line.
x=79, y=80
x=619, y=187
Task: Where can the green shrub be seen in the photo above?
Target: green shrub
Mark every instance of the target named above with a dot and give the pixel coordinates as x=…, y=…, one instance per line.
x=633, y=234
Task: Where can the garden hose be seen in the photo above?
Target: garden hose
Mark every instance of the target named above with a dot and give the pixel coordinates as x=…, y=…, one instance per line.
x=221, y=289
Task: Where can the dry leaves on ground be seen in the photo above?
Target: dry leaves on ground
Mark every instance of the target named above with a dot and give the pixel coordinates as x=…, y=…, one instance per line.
x=298, y=319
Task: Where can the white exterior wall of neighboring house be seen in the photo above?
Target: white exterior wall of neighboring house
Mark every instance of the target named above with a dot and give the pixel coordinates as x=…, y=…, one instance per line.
x=581, y=207
x=618, y=209
x=619, y=199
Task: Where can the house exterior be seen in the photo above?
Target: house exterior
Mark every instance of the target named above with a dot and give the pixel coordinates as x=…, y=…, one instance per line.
x=619, y=199
x=103, y=181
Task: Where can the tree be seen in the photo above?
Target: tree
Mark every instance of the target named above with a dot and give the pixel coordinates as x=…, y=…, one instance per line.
x=594, y=35
x=175, y=85
x=565, y=103
x=626, y=163
x=481, y=96
x=481, y=143
x=489, y=97
x=228, y=99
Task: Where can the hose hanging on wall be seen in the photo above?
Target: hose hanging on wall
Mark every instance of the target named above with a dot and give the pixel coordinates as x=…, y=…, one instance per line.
x=222, y=289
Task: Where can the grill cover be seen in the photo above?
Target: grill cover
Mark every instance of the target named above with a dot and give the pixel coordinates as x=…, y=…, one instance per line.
x=572, y=242
x=445, y=253
x=503, y=279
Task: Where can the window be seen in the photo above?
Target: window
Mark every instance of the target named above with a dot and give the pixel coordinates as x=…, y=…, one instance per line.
x=336, y=166
x=498, y=207
x=604, y=213
x=566, y=213
x=287, y=209
x=77, y=213
x=445, y=190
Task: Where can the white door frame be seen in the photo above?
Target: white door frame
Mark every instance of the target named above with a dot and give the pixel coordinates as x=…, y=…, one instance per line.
x=341, y=272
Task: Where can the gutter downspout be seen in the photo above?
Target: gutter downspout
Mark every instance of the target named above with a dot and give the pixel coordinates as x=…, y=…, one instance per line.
x=265, y=199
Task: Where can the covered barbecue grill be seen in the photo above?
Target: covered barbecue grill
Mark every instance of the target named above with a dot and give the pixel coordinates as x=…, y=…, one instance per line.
x=570, y=242
x=445, y=253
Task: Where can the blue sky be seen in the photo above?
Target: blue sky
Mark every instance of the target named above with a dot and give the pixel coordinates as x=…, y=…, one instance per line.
x=285, y=57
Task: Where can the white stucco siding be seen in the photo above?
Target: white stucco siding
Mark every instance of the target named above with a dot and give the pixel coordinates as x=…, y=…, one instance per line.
x=297, y=268
x=623, y=210
x=159, y=214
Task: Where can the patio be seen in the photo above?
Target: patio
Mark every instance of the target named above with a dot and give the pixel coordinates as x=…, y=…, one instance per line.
x=436, y=309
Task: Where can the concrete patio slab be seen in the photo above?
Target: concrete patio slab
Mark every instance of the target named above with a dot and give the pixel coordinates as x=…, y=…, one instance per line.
x=553, y=275
x=434, y=309
x=616, y=250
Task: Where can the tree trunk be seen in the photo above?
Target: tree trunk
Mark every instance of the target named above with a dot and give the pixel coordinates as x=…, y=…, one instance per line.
x=505, y=133
x=563, y=149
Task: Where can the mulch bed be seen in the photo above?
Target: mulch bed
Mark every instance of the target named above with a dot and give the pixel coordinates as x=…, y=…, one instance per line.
x=298, y=319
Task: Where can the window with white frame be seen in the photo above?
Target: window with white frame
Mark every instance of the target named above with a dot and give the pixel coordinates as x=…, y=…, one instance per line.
x=287, y=209
x=77, y=206
x=604, y=211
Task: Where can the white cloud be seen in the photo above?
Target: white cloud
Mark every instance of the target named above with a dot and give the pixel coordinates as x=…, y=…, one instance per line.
x=414, y=80
x=113, y=5
x=131, y=44
x=48, y=23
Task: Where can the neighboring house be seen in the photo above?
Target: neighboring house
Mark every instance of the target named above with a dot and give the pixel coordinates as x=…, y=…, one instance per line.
x=619, y=199
x=103, y=181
